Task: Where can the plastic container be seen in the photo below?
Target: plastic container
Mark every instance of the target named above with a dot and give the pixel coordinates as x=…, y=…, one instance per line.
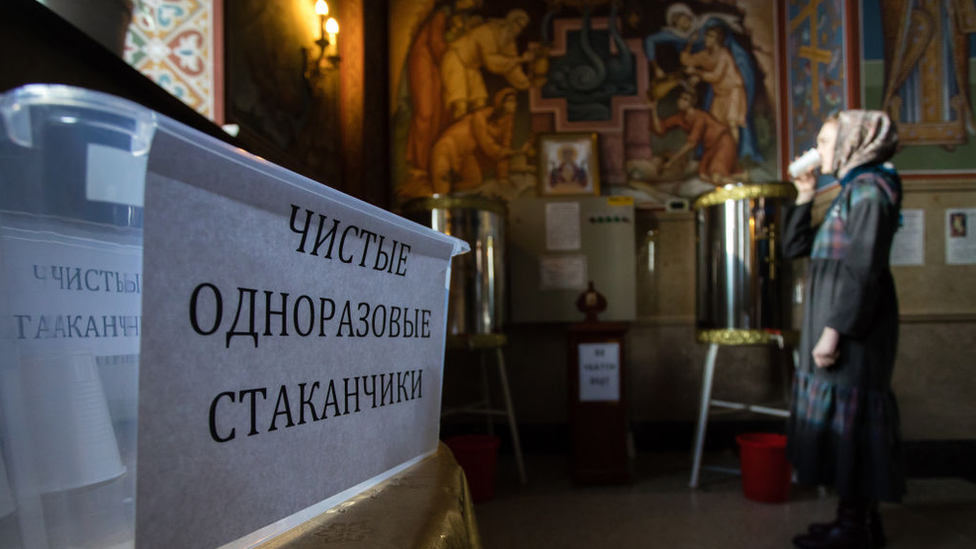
x=84, y=375
x=72, y=170
x=766, y=473
x=478, y=456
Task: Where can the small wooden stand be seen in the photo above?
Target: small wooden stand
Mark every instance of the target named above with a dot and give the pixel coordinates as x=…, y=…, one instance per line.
x=601, y=442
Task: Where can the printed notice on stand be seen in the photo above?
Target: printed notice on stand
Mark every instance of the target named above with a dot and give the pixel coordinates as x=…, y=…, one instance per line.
x=908, y=247
x=563, y=226
x=961, y=236
x=599, y=372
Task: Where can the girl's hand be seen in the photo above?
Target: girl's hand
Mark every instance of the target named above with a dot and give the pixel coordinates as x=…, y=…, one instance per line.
x=825, y=352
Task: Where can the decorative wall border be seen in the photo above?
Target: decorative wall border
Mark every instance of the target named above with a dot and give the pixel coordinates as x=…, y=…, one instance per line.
x=179, y=45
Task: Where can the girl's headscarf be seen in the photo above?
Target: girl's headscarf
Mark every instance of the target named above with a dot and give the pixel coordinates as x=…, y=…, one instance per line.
x=863, y=137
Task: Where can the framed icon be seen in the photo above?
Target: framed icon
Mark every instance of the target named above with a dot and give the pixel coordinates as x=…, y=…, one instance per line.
x=568, y=164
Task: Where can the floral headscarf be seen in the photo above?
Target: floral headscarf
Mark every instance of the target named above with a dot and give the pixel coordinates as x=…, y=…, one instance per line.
x=863, y=137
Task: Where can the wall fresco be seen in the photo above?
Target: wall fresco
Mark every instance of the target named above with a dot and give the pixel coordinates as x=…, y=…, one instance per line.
x=816, y=74
x=680, y=93
x=919, y=64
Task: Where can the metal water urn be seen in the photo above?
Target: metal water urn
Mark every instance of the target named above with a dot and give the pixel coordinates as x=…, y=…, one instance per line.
x=477, y=292
x=743, y=284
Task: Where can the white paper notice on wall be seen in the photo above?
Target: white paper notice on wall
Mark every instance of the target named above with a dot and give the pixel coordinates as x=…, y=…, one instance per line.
x=908, y=247
x=562, y=272
x=599, y=372
x=961, y=236
x=563, y=226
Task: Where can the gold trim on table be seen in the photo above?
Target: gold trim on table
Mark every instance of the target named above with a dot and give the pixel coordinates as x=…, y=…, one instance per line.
x=431, y=502
x=743, y=192
x=747, y=337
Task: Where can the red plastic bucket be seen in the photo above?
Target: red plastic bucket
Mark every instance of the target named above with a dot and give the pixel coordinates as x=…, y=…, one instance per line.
x=766, y=473
x=478, y=456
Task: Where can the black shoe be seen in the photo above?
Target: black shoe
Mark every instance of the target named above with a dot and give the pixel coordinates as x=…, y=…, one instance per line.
x=849, y=531
x=835, y=538
x=820, y=529
x=878, y=540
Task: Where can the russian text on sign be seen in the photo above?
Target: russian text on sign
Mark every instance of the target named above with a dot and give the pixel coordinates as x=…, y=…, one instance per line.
x=360, y=319
x=409, y=386
x=371, y=248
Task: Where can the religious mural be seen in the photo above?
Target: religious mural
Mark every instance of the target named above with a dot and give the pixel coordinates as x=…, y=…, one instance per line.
x=919, y=64
x=679, y=93
x=816, y=70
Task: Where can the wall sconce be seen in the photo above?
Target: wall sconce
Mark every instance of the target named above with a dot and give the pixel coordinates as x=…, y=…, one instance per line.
x=328, y=57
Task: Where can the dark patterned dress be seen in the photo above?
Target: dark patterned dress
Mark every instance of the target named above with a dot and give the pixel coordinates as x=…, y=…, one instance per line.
x=844, y=429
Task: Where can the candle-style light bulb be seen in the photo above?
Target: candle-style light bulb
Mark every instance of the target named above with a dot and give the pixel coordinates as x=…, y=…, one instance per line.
x=332, y=27
x=322, y=10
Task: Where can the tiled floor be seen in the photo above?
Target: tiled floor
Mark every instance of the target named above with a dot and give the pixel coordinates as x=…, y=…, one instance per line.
x=659, y=511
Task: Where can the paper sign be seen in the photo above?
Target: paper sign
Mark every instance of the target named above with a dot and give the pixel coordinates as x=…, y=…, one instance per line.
x=961, y=236
x=292, y=348
x=78, y=285
x=908, y=246
x=562, y=272
x=563, y=226
x=599, y=372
